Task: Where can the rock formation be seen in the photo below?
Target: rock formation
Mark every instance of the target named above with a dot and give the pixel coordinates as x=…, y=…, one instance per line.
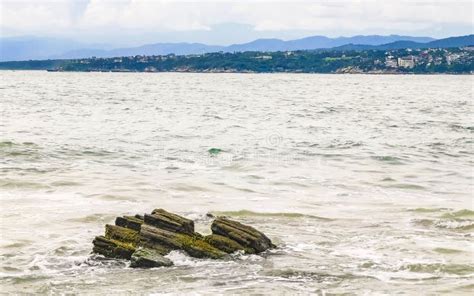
x=146, y=239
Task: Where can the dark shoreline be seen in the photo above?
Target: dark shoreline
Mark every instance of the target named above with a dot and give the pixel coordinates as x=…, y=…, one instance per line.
x=237, y=72
x=395, y=62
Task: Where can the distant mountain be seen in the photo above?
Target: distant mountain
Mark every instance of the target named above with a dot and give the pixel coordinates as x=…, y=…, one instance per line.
x=313, y=42
x=41, y=48
x=316, y=42
x=441, y=43
x=453, y=41
x=149, y=49
x=34, y=48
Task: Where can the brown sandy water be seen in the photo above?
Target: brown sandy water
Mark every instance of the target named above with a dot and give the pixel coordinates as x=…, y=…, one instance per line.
x=364, y=182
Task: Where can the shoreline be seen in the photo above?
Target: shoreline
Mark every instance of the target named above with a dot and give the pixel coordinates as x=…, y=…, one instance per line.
x=243, y=72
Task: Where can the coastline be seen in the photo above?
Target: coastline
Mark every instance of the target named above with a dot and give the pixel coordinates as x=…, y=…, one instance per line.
x=247, y=72
x=395, y=62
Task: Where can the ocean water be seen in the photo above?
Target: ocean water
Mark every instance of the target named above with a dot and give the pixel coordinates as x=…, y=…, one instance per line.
x=364, y=182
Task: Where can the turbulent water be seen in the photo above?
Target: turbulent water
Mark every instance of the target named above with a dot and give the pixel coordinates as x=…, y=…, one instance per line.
x=364, y=182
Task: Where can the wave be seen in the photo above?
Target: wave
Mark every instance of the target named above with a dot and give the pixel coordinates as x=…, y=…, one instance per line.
x=19, y=184
x=457, y=269
x=464, y=213
x=388, y=159
x=458, y=220
x=247, y=213
x=428, y=210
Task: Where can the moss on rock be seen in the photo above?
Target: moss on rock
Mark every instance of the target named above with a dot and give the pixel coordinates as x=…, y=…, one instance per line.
x=122, y=234
x=112, y=248
x=199, y=248
x=154, y=235
x=226, y=244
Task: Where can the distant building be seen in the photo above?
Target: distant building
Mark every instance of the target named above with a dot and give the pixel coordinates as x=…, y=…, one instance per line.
x=452, y=57
x=150, y=69
x=264, y=57
x=391, y=62
x=406, y=62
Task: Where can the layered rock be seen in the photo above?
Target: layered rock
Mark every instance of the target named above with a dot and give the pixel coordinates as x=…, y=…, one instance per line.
x=146, y=239
x=169, y=221
x=245, y=235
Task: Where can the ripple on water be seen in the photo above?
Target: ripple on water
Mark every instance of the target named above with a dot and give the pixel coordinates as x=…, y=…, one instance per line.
x=188, y=187
x=65, y=183
x=355, y=123
x=461, y=220
x=305, y=275
x=21, y=184
x=446, y=251
x=405, y=186
x=389, y=159
x=247, y=213
x=24, y=150
x=440, y=268
x=428, y=210
x=93, y=218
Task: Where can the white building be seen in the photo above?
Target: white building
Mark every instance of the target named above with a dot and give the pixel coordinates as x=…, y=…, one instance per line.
x=406, y=62
x=452, y=57
x=391, y=62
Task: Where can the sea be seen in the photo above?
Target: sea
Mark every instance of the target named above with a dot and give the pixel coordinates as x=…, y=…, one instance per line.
x=364, y=182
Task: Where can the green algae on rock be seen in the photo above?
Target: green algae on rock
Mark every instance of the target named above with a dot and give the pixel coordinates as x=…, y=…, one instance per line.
x=226, y=244
x=214, y=151
x=195, y=246
x=146, y=239
x=112, y=248
x=122, y=234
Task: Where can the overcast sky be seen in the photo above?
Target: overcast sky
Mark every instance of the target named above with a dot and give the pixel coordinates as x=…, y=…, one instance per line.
x=224, y=22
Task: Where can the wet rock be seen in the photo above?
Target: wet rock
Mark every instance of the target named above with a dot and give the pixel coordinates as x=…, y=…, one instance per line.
x=225, y=244
x=122, y=234
x=169, y=221
x=146, y=239
x=245, y=235
x=164, y=241
x=197, y=247
x=131, y=222
x=148, y=258
x=112, y=248
x=159, y=239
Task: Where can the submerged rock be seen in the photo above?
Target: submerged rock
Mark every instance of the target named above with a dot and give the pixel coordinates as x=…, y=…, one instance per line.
x=214, y=151
x=148, y=258
x=146, y=239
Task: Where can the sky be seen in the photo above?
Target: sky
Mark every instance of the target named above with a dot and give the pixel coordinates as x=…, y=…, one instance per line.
x=133, y=22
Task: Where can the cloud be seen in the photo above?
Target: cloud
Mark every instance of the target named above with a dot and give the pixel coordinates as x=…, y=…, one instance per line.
x=325, y=17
